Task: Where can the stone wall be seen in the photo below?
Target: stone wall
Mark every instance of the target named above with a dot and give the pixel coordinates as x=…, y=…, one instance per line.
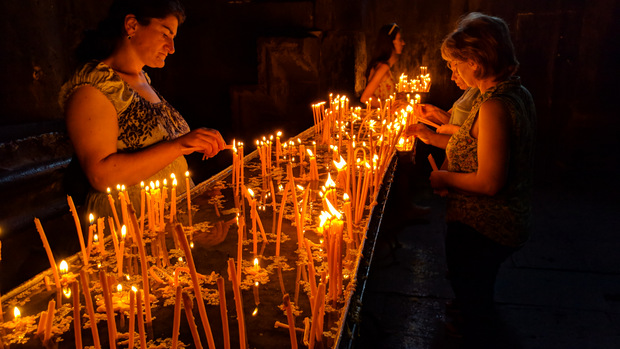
x=251, y=67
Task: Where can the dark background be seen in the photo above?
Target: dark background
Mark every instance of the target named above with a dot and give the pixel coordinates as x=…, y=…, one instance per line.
x=250, y=68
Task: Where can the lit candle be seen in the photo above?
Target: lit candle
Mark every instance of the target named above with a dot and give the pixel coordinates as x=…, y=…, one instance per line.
x=142, y=205
x=91, y=233
x=278, y=147
x=164, y=196
x=121, y=255
x=189, y=199
x=173, y=199
x=113, y=208
x=100, y=226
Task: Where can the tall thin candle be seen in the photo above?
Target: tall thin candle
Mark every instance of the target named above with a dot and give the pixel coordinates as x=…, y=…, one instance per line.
x=78, y=226
x=90, y=308
x=189, y=199
x=199, y=300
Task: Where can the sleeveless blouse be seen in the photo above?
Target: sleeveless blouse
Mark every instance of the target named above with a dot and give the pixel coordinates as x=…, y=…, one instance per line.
x=141, y=123
x=505, y=217
x=461, y=108
x=386, y=88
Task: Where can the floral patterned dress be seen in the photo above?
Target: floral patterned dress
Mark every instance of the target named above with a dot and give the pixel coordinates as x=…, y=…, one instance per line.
x=141, y=124
x=505, y=217
x=386, y=88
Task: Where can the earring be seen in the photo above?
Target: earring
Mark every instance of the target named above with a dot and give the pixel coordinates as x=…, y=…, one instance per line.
x=128, y=37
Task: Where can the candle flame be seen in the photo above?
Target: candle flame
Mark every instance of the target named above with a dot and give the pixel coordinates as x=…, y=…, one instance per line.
x=165, y=182
x=332, y=209
x=323, y=218
x=256, y=263
x=310, y=152
x=141, y=185
x=96, y=238
x=174, y=182
x=186, y=173
x=345, y=196
x=300, y=187
x=173, y=176
x=109, y=190
x=279, y=133
x=123, y=231
x=118, y=187
x=123, y=187
x=119, y=288
x=134, y=289
x=341, y=164
x=91, y=218
x=16, y=313
x=255, y=311
x=67, y=292
x=157, y=183
x=251, y=192
x=329, y=183
x=63, y=267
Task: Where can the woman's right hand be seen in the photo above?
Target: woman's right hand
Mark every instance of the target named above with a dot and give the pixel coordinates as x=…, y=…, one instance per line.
x=420, y=131
x=204, y=140
x=431, y=113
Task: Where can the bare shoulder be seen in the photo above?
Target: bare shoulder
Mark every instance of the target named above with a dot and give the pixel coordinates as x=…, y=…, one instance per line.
x=87, y=100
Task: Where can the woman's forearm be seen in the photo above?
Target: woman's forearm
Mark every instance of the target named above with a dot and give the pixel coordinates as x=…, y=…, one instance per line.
x=130, y=168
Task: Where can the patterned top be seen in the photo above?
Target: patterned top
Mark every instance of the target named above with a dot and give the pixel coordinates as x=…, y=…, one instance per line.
x=141, y=123
x=506, y=216
x=461, y=108
x=386, y=88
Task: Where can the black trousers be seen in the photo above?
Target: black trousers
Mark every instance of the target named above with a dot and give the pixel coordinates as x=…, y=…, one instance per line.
x=473, y=262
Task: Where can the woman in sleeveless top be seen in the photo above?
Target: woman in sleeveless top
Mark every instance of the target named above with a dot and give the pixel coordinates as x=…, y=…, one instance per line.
x=380, y=82
x=123, y=131
x=488, y=177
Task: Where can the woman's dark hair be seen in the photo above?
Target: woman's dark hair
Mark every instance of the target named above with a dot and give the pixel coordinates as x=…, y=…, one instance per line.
x=384, y=46
x=101, y=42
x=486, y=41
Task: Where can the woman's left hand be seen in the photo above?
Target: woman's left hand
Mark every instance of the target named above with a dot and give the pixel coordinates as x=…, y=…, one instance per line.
x=438, y=183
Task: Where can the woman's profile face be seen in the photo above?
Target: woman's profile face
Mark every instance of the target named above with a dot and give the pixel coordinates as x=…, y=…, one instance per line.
x=464, y=70
x=399, y=43
x=458, y=80
x=155, y=41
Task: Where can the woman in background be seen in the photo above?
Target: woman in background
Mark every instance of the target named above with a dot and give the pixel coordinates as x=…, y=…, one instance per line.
x=488, y=178
x=123, y=131
x=380, y=82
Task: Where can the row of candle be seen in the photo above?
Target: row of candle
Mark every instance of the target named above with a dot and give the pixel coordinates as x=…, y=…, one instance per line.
x=421, y=83
x=358, y=177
